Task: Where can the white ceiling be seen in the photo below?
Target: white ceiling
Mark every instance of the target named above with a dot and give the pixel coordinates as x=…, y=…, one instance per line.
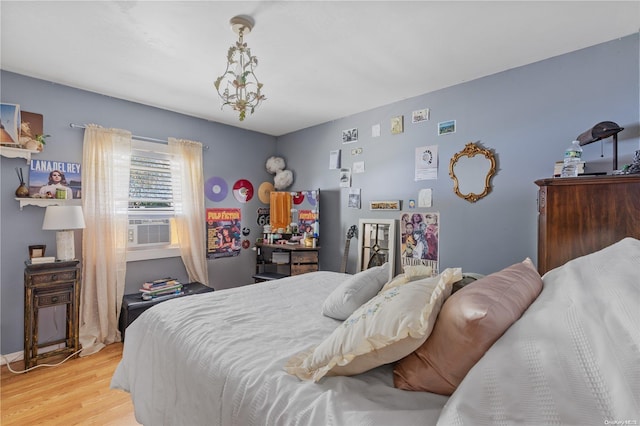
x=318, y=60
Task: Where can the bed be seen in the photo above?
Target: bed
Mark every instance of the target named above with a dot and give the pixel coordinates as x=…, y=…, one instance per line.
x=572, y=357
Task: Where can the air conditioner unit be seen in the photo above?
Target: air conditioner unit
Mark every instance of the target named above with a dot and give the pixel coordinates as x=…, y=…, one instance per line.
x=149, y=232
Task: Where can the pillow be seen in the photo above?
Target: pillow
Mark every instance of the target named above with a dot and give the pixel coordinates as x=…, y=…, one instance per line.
x=411, y=273
x=383, y=330
x=353, y=292
x=470, y=321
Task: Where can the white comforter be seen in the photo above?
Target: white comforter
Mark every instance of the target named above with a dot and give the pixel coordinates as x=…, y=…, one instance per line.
x=217, y=359
x=573, y=358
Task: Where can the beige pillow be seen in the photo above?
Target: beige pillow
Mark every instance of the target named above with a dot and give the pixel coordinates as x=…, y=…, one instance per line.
x=470, y=321
x=355, y=291
x=383, y=330
x=411, y=273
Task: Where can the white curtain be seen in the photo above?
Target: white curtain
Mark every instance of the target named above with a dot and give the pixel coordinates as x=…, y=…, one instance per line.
x=188, y=196
x=106, y=158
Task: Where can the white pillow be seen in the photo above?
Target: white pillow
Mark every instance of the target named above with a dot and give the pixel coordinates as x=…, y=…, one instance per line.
x=355, y=291
x=383, y=330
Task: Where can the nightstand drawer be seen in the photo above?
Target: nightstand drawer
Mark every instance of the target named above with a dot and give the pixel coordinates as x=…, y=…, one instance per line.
x=54, y=298
x=53, y=277
x=304, y=257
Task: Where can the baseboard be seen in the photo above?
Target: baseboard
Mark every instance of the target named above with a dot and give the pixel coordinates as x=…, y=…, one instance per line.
x=19, y=356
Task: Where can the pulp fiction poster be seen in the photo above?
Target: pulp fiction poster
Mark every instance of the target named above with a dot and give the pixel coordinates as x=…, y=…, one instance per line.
x=223, y=233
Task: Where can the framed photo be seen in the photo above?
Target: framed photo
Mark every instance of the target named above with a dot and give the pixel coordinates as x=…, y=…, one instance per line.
x=446, y=127
x=350, y=135
x=37, y=250
x=397, y=125
x=384, y=205
x=10, y=118
x=420, y=115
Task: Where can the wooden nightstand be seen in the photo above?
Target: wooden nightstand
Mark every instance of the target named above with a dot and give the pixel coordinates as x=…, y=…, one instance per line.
x=47, y=285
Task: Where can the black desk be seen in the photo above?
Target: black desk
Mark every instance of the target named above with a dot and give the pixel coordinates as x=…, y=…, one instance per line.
x=133, y=305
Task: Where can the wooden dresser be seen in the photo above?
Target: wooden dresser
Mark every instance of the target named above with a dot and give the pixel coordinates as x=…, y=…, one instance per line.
x=581, y=215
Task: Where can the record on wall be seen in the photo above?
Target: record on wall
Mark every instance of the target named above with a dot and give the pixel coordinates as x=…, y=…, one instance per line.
x=264, y=192
x=243, y=190
x=298, y=197
x=312, y=197
x=216, y=189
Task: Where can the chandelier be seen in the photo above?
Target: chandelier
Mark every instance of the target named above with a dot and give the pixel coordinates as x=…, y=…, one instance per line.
x=243, y=90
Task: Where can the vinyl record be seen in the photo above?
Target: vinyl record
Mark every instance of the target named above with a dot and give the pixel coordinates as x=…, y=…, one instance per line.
x=216, y=189
x=298, y=198
x=243, y=190
x=264, y=192
x=312, y=197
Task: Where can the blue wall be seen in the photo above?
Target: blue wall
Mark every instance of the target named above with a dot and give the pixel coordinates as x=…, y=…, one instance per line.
x=527, y=116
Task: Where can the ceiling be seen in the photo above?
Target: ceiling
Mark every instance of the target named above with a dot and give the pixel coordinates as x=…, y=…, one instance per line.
x=318, y=60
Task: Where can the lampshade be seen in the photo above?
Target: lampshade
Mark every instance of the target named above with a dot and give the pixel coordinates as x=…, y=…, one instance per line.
x=64, y=219
x=58, y=218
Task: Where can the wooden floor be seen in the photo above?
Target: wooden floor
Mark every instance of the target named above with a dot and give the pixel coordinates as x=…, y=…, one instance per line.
x=74, y=393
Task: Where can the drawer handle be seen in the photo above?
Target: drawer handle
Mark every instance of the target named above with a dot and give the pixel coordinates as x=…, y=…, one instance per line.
x=54, y=299
x=54, y=277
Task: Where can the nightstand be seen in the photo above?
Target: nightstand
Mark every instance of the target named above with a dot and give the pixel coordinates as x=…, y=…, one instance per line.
x=133, y=305
x=47, y=285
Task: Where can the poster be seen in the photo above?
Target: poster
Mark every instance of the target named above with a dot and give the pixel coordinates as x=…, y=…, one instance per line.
x=47, y=176
x=307, y=221
x=419, y=236
x=426, y=162
x=223, y=233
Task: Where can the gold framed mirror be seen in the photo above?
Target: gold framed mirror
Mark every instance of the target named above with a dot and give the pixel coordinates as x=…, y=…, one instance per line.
x=471, y=170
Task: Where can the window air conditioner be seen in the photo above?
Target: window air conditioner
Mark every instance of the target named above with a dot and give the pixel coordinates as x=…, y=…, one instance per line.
x=149, y=232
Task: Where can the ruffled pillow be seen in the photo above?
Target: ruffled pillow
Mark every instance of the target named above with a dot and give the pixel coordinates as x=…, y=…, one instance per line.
x=383, y=330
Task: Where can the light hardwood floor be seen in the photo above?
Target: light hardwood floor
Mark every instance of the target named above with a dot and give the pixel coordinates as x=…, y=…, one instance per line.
x=74, y=393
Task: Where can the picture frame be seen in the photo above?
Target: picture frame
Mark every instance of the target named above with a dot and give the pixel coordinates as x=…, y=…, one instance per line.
x=37, y=250
x=350, y=135
x=397, y=125
x=385, y=205
x=446, y=127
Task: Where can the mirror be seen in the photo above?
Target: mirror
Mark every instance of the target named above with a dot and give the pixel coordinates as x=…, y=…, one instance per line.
x=471, y=170
x=295, y=211
x=376, y=244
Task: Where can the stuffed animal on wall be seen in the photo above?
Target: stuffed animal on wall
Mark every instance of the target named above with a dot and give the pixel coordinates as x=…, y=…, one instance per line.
x=283, y=178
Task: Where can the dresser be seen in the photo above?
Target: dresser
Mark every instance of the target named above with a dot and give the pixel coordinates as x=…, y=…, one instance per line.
x=274, y=261
x=581, y=215
x=49, y=285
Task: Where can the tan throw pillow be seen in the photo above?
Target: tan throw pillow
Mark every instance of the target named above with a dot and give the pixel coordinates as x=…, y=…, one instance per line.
x=355, y=291
x=383, y=330
x=470, y=321
x=411, y=273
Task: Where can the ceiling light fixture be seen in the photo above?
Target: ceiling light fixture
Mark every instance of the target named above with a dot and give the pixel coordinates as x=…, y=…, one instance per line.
x=243, y=90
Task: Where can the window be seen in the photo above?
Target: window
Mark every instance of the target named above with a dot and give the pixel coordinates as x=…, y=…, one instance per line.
x=151, y=203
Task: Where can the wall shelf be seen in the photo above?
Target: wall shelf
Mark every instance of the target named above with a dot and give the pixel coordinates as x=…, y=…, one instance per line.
x=44, y=202
x=7, y=151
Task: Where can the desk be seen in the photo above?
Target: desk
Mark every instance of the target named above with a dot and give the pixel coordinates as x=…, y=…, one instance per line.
x=275, y=261
x=48, y=285
x=133, y=305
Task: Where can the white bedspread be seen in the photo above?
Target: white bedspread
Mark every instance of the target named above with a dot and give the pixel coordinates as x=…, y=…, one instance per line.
x=573, y=358
x=217, y=359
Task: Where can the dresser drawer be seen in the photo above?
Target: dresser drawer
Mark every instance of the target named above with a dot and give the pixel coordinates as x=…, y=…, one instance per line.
x=53, y=277
x=304, y=257
x=43, y=299
x=304, y=268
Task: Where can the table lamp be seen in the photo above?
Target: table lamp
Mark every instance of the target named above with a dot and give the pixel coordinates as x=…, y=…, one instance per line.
x=64, y=219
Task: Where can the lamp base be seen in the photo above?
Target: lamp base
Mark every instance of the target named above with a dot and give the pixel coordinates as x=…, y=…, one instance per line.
x=65, y=245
